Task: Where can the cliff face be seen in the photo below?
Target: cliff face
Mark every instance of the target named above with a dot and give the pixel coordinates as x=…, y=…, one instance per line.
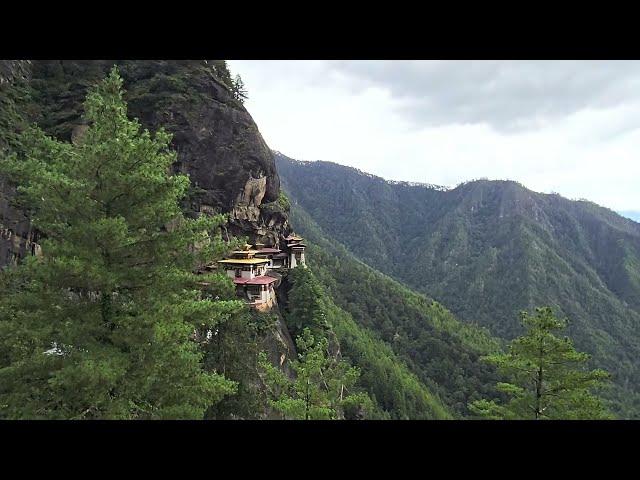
x=219, y=146
x=12, y=69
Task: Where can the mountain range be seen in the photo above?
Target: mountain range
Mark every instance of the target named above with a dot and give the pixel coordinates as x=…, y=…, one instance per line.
x=487, y=250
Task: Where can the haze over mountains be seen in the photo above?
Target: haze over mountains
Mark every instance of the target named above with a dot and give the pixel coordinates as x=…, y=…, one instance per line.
x=489, y=249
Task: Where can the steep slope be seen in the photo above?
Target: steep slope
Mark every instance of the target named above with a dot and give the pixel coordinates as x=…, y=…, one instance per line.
x=395, y=389
x=232, y=171
x=489, y=249
x=442, y=352
x=218, y=143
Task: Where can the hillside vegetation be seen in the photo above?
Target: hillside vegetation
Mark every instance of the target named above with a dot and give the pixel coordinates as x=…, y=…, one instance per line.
x=443, y=352
x=489, y=249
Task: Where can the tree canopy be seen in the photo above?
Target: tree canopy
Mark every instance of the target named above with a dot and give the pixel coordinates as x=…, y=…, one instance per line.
x=548, y=379
x=101, y=324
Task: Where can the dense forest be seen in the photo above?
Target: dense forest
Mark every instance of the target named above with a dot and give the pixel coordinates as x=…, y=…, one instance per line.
x=488, y=250
x=444, y=353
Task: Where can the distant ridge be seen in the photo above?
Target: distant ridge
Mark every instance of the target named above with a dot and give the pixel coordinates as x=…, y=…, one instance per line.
x=631, y=214
x=488, y=249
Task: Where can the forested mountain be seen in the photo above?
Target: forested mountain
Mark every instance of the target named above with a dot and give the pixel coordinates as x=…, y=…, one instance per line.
x=123, y=182
x=488, y=249
x=443, y=352
x=218, y=143
x=231, y=171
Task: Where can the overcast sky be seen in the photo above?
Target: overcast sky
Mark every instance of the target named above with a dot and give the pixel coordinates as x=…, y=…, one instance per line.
x=568, y=127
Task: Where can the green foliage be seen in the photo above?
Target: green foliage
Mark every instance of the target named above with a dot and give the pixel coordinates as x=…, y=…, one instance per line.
x=324, y=388
x=159, y=92
x=396, y=392
x=221, y=70
x=101, y=325
x=233, y=350
x=14, y=96
x=307, y=308
x=548, y=378
x=283, y=201
x=394, y=388
x=238, y=90
x=487, y=250
x=443, y=352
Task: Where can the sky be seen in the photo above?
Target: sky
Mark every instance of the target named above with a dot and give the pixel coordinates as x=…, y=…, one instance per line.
x=571, y=127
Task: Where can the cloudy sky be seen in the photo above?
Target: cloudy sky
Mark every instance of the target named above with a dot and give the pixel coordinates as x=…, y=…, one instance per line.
x=555, y=126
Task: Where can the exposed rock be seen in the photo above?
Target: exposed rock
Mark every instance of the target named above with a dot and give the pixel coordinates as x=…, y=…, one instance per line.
x=219, y=146
x=10, y=70
x=78, y=132
x=17, y=237
x=253, y=192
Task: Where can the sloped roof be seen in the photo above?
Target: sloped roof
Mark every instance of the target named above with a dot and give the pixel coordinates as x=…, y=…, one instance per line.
x=245, y=252
x=268, y=250
x=244, y=261
x=263, y=280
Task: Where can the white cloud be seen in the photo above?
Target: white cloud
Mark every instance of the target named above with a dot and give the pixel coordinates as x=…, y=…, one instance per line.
x=448, y=122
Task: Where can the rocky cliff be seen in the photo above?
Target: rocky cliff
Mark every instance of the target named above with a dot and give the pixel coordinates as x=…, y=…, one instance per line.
x=219, y=146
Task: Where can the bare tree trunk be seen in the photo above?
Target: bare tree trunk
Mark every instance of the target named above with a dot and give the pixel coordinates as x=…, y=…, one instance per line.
x=307, y=401
x=538, y=393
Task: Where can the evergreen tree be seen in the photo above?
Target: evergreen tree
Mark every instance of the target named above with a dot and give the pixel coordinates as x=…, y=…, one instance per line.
x=14, y=99
x=324, y=388
x=221, y=70
x=101, y=325
x=307, y=308
x=548, y=378
x=238, y=89
x=234, y=351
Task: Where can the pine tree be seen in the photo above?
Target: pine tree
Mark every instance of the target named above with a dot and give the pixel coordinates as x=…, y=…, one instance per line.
x=306, y=306
x=221, y=70
x=234, y=350
x=548, y=377
x=101, y=325
x=238, y=89
x=324, y=388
